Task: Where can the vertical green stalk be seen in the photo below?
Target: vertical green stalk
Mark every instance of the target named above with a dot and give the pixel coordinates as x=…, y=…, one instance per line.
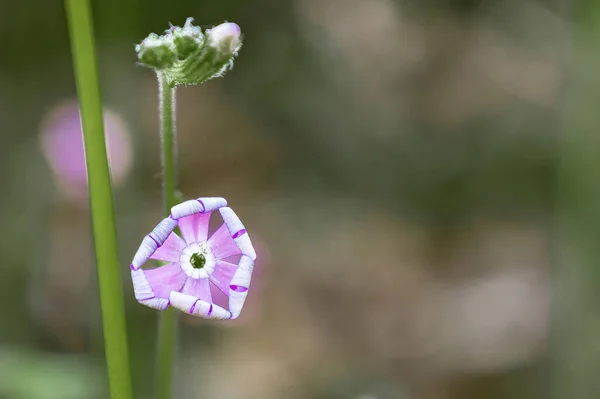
x=167, y=327
x=103, y=222
x=575, y=353
x=166, y=95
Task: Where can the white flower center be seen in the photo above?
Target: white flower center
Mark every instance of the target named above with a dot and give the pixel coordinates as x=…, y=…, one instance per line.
x=197, y=260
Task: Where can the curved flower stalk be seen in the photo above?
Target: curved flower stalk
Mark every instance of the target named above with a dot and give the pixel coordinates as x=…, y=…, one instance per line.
x=199, y=267
x=184, y=55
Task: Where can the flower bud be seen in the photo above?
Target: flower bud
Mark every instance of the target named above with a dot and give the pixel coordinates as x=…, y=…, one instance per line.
x=157, y=52
x=185, y=56
x=225, y=39
x=188, y=39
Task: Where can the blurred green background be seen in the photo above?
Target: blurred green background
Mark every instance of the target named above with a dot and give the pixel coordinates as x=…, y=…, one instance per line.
x=412, y=174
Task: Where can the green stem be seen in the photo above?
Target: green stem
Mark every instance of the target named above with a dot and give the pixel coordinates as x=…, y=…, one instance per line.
x=167, y=135
x=101, y=204
x=575, y=353
x=167, y=327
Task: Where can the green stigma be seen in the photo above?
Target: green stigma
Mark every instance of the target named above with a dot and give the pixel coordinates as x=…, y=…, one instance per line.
x=198, y=261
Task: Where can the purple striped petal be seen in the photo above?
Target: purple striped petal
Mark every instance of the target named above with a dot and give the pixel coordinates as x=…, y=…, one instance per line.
x=170, y=251
x=200, y=205
x=222, y=245
x=198, y=288
x=197, y=307
x=237, y=231
x=222, y=275
x=162, y=231
x=218, y=297
x=144, y=252
x=194, y=228
x=238, y=288
x=165, y=279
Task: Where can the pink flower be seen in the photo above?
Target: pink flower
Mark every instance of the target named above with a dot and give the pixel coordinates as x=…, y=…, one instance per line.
x=206, y=277
x=62, y=144
x=253, y=307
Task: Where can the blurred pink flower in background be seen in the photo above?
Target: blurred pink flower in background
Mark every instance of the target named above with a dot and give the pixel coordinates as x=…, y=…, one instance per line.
x=59, y=293
x=62, y=143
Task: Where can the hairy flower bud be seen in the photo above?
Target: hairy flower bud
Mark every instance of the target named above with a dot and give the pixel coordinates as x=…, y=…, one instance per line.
x=188, y=39
x=185, y=56
x=157, y=52
x=226, y=39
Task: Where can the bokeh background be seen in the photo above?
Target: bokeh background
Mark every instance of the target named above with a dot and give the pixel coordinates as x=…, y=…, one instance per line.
x=419, y=179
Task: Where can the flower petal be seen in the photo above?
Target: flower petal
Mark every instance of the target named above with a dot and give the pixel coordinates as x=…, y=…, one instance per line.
x=170, y=251
x=238, y=232
x=152, y=242
x=153, y=287
x=194, y=228
x=198, y=288
x=197, y=307
x=165, y=279
x=162, y=231
x=200, y=205
x=144, y=252
x=238, y=289
x=218, y=297
x=222, y=245
x=222, y=275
